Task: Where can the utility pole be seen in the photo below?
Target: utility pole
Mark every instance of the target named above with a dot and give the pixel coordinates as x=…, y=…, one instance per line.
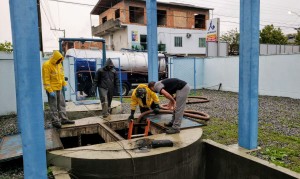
x=62, y=30
x=40, y=26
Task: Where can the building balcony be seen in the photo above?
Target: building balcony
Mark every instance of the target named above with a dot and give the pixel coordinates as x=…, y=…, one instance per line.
x=108, y=27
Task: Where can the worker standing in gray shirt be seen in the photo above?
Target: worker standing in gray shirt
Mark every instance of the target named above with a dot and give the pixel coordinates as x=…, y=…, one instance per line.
x=169, y=87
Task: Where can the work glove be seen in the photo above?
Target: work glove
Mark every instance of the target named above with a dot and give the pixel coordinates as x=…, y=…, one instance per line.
x=65, y=88
x=52, y=94
x=156, y=110
x=131, y=115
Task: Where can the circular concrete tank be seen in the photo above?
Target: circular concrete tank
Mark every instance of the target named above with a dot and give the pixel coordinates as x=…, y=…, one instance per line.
x=122, y=159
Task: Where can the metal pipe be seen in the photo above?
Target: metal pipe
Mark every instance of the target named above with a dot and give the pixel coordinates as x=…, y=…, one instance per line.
x=188, y=113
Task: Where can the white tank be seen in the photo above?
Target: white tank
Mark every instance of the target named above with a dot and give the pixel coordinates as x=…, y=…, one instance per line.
x=130, y=61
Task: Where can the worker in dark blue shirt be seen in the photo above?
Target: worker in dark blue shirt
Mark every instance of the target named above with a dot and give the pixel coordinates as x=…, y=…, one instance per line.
x=169, y=87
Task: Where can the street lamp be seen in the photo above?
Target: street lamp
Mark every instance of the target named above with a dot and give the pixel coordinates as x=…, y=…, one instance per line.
x=292, y=12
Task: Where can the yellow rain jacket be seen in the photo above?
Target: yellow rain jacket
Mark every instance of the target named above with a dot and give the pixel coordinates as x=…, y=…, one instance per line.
x=53, y=74
x=150, y=97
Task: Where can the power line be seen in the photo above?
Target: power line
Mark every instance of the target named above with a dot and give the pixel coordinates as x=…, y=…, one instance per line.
x=75, y=3
x=55, y=37
x=106, y=7
x=49, y=12
x=49, y=19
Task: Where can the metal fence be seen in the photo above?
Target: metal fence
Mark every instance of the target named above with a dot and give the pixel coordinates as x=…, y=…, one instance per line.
x=187, y=69
x=81, y=74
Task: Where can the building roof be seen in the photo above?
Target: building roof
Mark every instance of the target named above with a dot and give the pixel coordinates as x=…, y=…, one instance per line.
x=103, y=5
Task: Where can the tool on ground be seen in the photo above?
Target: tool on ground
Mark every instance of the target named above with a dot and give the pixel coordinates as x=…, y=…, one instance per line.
x=132, y=125
x=145, y=144
x=161, y=143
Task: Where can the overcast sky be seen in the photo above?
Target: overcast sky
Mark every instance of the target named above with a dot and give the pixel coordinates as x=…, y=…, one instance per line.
x=76, y=19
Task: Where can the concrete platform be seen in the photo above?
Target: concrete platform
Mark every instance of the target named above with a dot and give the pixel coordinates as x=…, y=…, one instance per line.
x=11, y=146
x=60, y=173
x=91, y=106
x=121, y=158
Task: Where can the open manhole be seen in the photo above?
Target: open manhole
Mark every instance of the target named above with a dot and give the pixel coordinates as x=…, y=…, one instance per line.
x=81, y=140
x=78, y=136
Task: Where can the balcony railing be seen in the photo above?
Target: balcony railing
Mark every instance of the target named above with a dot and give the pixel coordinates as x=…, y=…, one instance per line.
x=108, y=27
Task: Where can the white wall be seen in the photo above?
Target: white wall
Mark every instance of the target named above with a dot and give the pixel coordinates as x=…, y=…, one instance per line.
x=7, y=82
x=278, y=75
x=167, y=36
x=221, y=70
x=119, y=40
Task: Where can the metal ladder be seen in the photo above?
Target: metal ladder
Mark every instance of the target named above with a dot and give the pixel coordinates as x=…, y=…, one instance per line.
x=132, y=125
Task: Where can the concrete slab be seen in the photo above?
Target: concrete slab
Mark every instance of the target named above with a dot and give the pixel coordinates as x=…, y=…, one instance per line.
x=236, y=147
x=60, y=173
x=72, y=107
x=11, y=146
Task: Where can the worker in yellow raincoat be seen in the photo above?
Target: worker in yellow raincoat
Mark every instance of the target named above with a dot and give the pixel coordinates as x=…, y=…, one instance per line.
x=145, y=98
x=54, y=82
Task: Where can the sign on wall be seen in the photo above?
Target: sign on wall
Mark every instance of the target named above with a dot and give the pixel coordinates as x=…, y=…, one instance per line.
x=212, y=31
x=135, y=36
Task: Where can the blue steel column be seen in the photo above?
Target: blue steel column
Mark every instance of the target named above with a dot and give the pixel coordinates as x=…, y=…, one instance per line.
x=248, y=74
x=152, y=40
x=24, y=23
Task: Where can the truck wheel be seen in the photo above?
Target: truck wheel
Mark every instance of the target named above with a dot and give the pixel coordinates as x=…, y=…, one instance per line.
x=125, y=89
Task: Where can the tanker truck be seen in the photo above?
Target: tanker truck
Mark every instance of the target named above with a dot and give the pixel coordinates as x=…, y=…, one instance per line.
x=132, y=67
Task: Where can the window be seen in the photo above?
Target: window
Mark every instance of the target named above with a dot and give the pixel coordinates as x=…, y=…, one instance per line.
x=143, y=42
x=200, y=21
x=178, y=41
x=117, y=13
x=136, y=14
x=161, y=17
x=104, y=19
x=202, y=42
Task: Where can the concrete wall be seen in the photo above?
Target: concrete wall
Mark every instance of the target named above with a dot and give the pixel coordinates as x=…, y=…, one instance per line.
x=7, y=81
x=120, y=39
x=215, y=49
x=219, y=162
x=270, y=49
x=278, y=75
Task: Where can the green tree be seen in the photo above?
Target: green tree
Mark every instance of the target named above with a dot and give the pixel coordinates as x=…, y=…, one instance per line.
x=270, y=35
x=232, y=37
x=297, y=39
x=6, y=47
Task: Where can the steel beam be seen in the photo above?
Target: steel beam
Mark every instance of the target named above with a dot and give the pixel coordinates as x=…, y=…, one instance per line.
x=24, y=23
x=248, y=74
x=152, y=40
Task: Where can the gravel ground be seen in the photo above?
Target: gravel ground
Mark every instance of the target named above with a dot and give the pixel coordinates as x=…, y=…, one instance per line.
x=277, y=114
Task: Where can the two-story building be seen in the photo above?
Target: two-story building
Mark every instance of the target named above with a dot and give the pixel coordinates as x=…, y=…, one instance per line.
x=181, y=28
